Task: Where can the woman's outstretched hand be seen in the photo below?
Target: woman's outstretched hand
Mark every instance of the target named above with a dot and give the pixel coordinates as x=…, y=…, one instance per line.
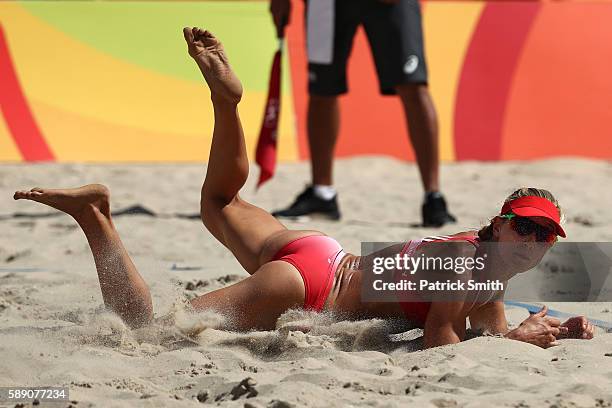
x=539, y=329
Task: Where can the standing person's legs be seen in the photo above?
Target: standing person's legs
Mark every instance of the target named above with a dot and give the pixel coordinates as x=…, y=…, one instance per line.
x=423, y=129
x=123, y=289
x=396, y=38
x=330, y=28
x=323, y=127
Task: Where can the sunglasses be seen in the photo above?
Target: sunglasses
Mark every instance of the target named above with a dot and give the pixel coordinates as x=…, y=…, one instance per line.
x=524, y=227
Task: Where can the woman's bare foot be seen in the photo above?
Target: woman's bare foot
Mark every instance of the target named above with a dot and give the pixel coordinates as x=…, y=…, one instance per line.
x=72, y=201
x=208, y=53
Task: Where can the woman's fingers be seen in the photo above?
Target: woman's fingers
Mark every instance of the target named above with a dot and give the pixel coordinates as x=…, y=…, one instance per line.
x=546, y=341
x=552, y=321
x=578, y=327
x=542, y=311
x=589, y=332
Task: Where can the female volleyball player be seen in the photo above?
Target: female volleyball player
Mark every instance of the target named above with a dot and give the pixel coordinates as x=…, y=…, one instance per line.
x=303, y=269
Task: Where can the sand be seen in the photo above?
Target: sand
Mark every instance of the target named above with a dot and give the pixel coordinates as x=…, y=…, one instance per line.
x=54, y=331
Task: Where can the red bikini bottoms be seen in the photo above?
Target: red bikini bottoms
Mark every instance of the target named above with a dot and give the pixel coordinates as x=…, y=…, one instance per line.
x=316, y=258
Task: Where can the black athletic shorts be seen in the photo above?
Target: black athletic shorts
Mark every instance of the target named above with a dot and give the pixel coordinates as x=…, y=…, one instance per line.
x=394, y=33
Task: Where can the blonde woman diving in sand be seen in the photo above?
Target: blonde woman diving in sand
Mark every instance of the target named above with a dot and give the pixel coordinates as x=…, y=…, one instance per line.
x=303, y=269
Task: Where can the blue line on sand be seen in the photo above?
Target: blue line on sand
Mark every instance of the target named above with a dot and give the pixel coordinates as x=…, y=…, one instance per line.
x=555, y=313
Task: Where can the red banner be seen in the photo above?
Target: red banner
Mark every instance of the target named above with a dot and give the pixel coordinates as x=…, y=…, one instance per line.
x=265, y=155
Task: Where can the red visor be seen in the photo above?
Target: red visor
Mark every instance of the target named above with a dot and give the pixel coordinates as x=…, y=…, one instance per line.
x=532, y=206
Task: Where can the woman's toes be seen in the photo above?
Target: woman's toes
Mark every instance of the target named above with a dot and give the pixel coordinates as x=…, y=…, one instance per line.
x=23, y=194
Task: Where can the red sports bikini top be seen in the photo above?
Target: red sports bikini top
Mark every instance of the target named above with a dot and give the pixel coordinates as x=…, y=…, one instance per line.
x=417, y=311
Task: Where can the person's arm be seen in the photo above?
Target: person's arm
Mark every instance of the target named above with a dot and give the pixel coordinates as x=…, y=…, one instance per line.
x=445, y=324
x=490, y=317
x=281, y=12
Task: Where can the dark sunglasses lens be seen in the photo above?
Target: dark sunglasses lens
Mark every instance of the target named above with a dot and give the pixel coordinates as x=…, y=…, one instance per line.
x=543, y=234
x=524, y=226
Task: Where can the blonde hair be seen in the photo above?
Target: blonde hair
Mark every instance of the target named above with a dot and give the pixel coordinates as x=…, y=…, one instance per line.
x=486, y=233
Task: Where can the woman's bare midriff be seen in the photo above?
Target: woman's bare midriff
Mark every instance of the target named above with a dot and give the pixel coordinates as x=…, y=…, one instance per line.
x=345, y=295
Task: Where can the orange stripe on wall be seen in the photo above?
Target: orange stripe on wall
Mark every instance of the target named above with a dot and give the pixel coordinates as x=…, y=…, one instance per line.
x=560, y=101
x=8, y=149
x=487, y=77
x=79, y=136
x=446, y=49
x=370, y=123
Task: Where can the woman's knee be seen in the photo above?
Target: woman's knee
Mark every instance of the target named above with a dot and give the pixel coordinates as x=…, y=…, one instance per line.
x=214, y=205
x=210, y=211
x=214, y=213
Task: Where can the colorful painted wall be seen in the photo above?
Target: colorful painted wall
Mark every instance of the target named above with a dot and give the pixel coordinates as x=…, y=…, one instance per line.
x=111, y=81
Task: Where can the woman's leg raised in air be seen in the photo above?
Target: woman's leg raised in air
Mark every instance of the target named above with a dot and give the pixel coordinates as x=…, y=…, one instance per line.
x=246, y=230
x=242, y=227
x=123, y=289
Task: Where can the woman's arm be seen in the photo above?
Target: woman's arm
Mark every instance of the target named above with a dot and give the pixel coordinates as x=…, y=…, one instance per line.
x=445, y=324
x=490, y=317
